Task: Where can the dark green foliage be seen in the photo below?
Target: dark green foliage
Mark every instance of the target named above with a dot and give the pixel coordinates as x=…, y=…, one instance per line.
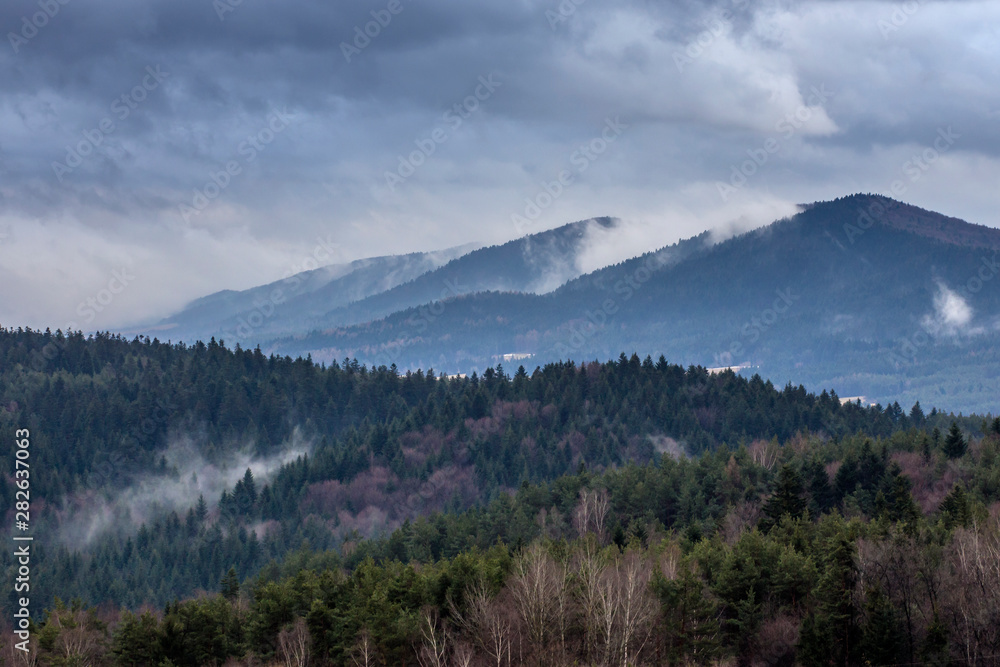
x=954, y=443
x=100, y=410
x=138, y=641
x=229, y=587
x=787, y=500
x=956, y=509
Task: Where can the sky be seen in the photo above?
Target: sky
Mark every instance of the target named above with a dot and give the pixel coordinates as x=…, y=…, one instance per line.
x=154, y=152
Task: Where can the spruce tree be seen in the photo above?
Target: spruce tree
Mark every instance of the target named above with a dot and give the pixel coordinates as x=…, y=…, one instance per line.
x=956, y=509
x=229, y=586
x=788, y=498
x=954, y=443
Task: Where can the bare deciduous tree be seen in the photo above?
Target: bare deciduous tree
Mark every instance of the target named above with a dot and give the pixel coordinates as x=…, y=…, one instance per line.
x=13, y=656
x=364, y=653
x=972, y=592
x=488, y=622
x=765, y=453
x=540, y=594
x=635, y=605
x=293, y=644
x=433, y=651
x=591, y=512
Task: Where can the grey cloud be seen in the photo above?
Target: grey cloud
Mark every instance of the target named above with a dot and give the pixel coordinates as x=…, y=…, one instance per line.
x=744, y=68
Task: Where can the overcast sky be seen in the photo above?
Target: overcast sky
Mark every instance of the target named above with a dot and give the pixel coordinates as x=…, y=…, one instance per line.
x=120, y=118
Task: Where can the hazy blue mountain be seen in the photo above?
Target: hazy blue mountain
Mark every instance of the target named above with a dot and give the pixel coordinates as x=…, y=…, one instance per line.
x=537, y=264
x=864, y=295
x=295, y=302
x=367, y=289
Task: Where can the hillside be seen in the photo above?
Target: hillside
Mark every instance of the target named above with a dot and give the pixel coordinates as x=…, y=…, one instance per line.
x=583, y=513
x=296, y=300
x=367, y=289
x=863, y=294
x=139, y=432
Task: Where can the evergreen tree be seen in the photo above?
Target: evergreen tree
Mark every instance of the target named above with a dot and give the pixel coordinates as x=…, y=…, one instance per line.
x=788, y=498
x=138, y=641
x=229, y=586
x=954, y=443
x=882, y=638
x=956, y=509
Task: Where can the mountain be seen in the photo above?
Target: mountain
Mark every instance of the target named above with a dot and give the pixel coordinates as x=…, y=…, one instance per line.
x=295, y=301
x=367, y=289
x=534, y=264
x=864, y=294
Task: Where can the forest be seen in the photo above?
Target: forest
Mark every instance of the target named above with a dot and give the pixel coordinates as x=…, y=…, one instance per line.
x=616, y=513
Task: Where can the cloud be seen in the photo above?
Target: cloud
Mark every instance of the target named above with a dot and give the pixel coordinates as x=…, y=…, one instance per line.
x=952, y=314
x=752, y=67
x=89, y=515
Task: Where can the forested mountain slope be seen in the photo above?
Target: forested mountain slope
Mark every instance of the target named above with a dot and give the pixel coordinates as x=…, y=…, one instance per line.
x=863, y=294
x=132, y=432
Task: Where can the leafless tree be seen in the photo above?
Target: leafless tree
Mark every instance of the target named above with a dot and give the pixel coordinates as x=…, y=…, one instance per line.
x=462, y=655
x=15, y=657
x=488, y=621
x=635, y=608
x=618, y=607
x=589, y=564
x=78, y=641
x=765, y=453
x=541, y=597
x=293, y=644
x=364, y=653
x=433, y=651
x=591, y=512
x=972, y=592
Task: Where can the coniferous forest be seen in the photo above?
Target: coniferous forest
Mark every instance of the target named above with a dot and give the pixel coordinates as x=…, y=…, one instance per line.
x=200, y=505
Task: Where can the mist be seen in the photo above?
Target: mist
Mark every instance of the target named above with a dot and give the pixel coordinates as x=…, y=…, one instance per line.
x=89, y=514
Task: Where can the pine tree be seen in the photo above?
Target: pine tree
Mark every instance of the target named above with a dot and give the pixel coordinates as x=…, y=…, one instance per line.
x=201, y=509
x=821, y=493
x=882, y=636
x=229, y=586
x=956, y=509
x=954, y=443
x=787, y=498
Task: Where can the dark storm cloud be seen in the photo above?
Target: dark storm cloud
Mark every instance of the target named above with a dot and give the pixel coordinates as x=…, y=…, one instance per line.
x=701, y=86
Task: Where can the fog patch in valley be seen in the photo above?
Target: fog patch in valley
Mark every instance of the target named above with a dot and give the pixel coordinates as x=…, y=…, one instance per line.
x=189, y=475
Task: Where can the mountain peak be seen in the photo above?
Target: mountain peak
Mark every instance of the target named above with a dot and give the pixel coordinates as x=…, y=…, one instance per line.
x=865, y=209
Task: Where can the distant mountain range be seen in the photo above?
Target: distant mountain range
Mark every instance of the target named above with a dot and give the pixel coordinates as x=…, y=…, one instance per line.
x=344, y=294
x=864, y=295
